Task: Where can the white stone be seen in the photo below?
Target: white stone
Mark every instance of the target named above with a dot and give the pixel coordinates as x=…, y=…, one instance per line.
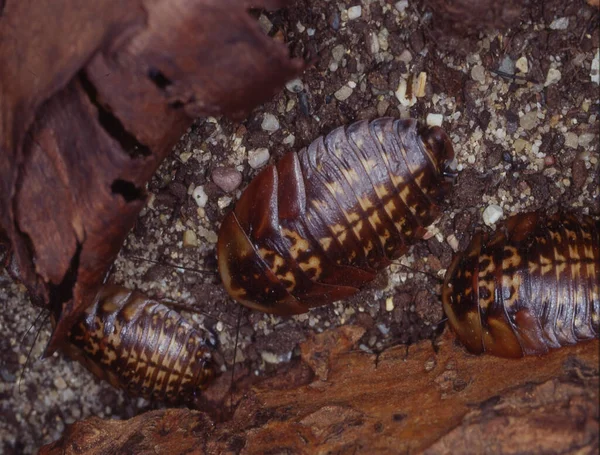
x=478, y=74
x=372, y=43
x=529, y=120
x=420, y=85
x=343, y=93
x=295, y=85
x=522, y=64
x=434, y=119
x=401, y=6
x=586, y=139
x=401, y=92
x=190, y=239
x=595, y=69
x=405, y=56
x=453, y=242
x=561, y=23
x=200, y=196
x=270, y=123
x=289, y=140
x=257, y=158
x=389, y=304
x=552, y=77
x=492, y=214
x=354, y=12
x=224, y=201
x=571, y=140
x=338, y=53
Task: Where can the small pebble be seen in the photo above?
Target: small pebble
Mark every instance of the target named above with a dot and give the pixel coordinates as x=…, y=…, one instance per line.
x=343, y=93
x=60, y=383
x=389, y=304
x=453, y=242
x=562, y=23
x=571, y=140
x=553, y=77
x=270, y=123
x=295, y=85
x=224, y=202
x=529, y=120
x=434, y=119
x=227, y=178
x=491, y=214
x=354, y=12
x=586, y=139
x=401, y=6
x=507, y=66
x=522, y=64
x=478, y=74
x=257, y=158
x=190, y=239
x=595, y=69
x=200, y=196
x=372, y=43
x=338, y=53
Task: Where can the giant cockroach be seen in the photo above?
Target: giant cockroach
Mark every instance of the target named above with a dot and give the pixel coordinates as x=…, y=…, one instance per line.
x=318, y=225
x=532, y=286
x=140, y=345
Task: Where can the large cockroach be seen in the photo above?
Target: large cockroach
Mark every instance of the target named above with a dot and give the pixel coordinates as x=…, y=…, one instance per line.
x=532, y=286
x=140, y=345
x=318, y=225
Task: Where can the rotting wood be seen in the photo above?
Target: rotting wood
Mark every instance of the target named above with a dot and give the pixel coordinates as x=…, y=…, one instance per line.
x=93, y=96
x=406, y=400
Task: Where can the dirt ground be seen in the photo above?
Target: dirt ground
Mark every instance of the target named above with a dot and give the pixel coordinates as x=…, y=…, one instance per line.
x=521, y=107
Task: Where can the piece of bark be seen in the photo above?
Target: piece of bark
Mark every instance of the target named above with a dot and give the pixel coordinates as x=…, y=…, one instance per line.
x=403, y=401
x=93, y=97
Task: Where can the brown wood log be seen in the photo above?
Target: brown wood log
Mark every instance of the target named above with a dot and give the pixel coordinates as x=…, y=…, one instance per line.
x=93, y=95
x=405, y=400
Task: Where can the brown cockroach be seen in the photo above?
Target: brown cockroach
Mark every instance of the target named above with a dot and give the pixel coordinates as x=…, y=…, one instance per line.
x=532, y=286
x=318, y=225
x=140, y=345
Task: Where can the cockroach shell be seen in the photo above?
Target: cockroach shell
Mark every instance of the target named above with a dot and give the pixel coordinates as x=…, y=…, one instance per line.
x=530, y=287
x=319, y=225
x=140, y=345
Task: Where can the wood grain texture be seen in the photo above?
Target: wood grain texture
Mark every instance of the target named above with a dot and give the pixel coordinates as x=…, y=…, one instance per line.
x=411, y=400
x=93, y=96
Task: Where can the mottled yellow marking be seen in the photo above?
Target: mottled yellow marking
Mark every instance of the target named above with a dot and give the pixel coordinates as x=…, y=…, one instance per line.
x=556, y=236
x=374, y=219
x=313, y=263
x=359, y=142
x=326, y=243
x=351, y=175
x=512, y=259
x=381, y=191
x=533, y=267
x=397, y=180
x=513, y=284
x=419, y=179
x=337, y=150
x=342, y=237
x=335, y=188
x=489, y=285
x=390, y=207
x=319, y=205
x=491, y=267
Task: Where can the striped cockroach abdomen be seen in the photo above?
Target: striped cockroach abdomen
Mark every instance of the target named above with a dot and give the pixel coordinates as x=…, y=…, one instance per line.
x=318, y=225
x=532, y=286
x=140, y=345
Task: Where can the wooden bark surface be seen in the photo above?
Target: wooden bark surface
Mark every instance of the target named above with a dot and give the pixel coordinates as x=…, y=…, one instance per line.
x=93, y=95
x=413, y=400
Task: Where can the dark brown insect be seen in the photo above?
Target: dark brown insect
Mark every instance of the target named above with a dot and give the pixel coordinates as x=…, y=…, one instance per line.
x=140, y=345
x=318, y=226
x=532, y=286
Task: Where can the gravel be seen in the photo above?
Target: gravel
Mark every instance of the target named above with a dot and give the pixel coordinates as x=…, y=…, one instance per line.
x=535, y=165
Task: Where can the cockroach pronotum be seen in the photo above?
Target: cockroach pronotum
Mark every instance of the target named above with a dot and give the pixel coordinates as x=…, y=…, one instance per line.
x=318, y=225
x=532, y=286
x=140, y=345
